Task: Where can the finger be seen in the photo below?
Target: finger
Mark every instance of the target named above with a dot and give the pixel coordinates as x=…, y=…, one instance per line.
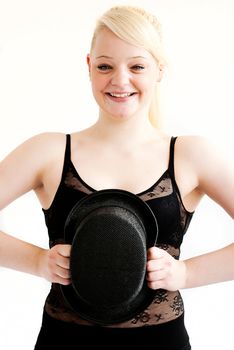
x=64, y=250
x=64, y=282
x=157, y=285
x=155, y=265
x=155, y=253
x=61, y=280
x=60, y=255
x=156, y=275
x=61, y=272
x=62, y=262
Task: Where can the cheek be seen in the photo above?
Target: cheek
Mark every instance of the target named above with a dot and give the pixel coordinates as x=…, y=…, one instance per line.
x=147, y=85
x=98, y=82
x=146, y=81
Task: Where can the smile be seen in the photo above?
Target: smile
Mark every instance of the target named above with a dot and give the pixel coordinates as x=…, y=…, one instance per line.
x=121, y=95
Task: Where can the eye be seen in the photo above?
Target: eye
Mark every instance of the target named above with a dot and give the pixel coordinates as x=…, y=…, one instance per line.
x=104, y=67
x=138, y=67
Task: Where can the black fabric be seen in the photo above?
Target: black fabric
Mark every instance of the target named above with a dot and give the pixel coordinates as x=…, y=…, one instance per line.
x=60, y=335
x=164, y=199
x=110, y=232
x=173, y=219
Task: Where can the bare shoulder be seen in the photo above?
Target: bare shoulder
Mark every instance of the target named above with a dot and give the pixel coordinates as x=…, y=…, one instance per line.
x=32, y=161
x=191, y=145
x=45, y=141
x=202, y=151
x=40, y=142
x=35, y=152
x=211, y=166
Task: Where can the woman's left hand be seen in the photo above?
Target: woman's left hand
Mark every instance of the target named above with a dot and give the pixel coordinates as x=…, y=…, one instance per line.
x=164, y=271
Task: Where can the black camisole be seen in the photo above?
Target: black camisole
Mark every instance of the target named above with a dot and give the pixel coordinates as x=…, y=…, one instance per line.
x=164, y=199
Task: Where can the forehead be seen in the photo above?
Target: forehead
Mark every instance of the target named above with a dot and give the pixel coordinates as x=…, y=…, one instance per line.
x=109, y=44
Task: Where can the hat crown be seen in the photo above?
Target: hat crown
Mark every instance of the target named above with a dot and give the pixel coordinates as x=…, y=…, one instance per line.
x=110, y=232
x=117, y=241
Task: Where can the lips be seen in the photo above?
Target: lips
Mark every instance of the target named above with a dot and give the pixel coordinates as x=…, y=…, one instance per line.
x=120, y=96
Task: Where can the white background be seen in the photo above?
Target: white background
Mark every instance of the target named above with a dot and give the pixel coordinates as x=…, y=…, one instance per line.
x=44, y=86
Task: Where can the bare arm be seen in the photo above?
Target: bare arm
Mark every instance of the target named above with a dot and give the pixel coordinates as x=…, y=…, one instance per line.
x=214, y=176
x=19, y=255
x=21, y=171
x=51, y=264
x=215, y=179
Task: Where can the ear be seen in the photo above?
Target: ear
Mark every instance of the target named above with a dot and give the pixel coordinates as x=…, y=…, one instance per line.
x=88, y=63
x=88, y=60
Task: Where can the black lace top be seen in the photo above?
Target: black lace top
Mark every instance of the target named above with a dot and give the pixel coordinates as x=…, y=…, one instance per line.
x=173, y=219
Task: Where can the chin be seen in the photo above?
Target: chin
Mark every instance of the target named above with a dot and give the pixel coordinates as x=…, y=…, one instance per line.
x=122, y=116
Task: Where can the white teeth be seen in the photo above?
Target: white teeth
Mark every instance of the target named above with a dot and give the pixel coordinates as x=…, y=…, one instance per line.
x=120, y=95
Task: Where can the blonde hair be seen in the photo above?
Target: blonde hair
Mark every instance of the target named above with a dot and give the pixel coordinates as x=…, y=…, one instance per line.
x=140, y=28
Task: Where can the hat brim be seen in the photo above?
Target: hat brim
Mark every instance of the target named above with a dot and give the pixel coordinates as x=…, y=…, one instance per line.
x=110, y=232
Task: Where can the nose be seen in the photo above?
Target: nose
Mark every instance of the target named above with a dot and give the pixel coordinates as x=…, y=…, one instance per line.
x=120, y=77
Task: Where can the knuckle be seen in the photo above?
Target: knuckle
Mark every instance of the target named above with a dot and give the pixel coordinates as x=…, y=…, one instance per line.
x=168, y=264
x=150, y=277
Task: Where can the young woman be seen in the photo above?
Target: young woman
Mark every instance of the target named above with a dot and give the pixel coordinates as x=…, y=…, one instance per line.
x=125, y=150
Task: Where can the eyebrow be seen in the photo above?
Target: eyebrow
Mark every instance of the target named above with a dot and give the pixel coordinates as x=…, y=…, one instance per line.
x=109, y=57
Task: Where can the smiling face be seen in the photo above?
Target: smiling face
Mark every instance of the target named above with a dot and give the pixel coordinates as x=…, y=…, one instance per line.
x=123, y=76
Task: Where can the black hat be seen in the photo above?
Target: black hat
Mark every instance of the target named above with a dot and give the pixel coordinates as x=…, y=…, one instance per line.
x=110, y=232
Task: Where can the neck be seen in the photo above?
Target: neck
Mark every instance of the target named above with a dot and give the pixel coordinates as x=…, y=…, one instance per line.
x=124, y=133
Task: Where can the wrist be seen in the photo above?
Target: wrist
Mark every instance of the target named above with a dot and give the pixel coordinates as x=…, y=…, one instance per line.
x=40, y=264
x=183, y=274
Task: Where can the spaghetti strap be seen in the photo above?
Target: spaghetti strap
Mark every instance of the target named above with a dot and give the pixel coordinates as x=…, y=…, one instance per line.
x=67, y=155
x=171, y=167
x=68, y=148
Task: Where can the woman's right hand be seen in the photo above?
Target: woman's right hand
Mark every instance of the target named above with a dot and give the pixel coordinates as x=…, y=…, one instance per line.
x=54, y=264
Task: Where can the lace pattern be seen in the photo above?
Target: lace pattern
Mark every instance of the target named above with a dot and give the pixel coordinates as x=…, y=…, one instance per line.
x=166, y=305
x=72, y=181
